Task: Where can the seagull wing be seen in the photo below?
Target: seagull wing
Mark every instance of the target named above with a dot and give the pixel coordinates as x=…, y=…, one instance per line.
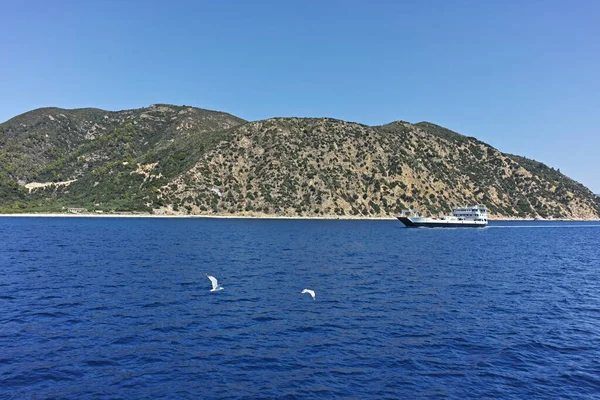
x=214, y=281
x=311, y=292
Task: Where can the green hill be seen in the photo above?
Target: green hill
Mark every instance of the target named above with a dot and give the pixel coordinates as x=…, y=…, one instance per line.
x=167, y=159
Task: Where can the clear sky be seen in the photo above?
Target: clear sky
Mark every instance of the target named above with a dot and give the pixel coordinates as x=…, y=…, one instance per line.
x=523, y=76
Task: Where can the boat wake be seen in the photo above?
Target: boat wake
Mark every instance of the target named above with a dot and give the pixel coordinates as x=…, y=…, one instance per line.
x=542, y=226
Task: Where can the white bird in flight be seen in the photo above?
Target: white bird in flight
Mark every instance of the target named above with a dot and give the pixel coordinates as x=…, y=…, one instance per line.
x=215, y=284
x=311, y=292
x=217, y=191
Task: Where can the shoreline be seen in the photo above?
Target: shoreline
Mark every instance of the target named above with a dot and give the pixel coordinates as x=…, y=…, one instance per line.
x=187, y=216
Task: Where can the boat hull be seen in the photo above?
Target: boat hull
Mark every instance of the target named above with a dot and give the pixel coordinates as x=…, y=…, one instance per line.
x=439, y=224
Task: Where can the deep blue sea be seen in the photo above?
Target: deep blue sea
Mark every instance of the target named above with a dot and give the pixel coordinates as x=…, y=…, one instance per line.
x=120, y=308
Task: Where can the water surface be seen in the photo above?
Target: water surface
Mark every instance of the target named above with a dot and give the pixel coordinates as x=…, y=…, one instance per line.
x=121, y=308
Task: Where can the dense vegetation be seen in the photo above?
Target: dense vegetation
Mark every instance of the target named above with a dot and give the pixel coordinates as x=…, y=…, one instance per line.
x=169, y=159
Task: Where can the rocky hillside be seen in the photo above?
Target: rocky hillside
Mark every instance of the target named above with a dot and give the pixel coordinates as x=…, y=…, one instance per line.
x=49, y=155
x=183, y=160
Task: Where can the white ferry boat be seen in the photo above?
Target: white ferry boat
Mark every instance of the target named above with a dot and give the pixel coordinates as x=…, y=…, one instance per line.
x=467, y=217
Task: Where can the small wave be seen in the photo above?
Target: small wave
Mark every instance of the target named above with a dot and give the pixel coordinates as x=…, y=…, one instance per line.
x=48, y=297
x=69, y=305
x=100, y=308
x=517, y=292
x=101, y=363
x=244, y=300
x=44, y=314
x=447, y=374
x=347, y=372
x=583, y=378
x=126, y=340
x=265, y=319
x=154, y=304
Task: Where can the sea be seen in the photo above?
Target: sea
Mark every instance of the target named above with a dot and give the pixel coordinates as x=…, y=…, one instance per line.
x=121, y=308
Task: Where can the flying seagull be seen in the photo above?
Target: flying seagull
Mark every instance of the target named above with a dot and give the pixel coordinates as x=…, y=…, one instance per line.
x=217, y=191
x=215, y=284
x=311, y=292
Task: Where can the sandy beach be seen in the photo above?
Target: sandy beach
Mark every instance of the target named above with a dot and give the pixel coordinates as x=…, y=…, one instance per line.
x=241, y=216
x=133, y=215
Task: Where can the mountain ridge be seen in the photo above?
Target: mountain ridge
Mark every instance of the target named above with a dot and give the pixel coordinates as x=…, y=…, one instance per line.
x=165, y=159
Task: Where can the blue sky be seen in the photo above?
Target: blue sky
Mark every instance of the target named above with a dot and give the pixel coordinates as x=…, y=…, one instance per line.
x=522, y=76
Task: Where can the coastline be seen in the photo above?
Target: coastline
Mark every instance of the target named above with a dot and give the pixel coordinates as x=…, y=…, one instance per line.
x=241, y=216
x=188, y=216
